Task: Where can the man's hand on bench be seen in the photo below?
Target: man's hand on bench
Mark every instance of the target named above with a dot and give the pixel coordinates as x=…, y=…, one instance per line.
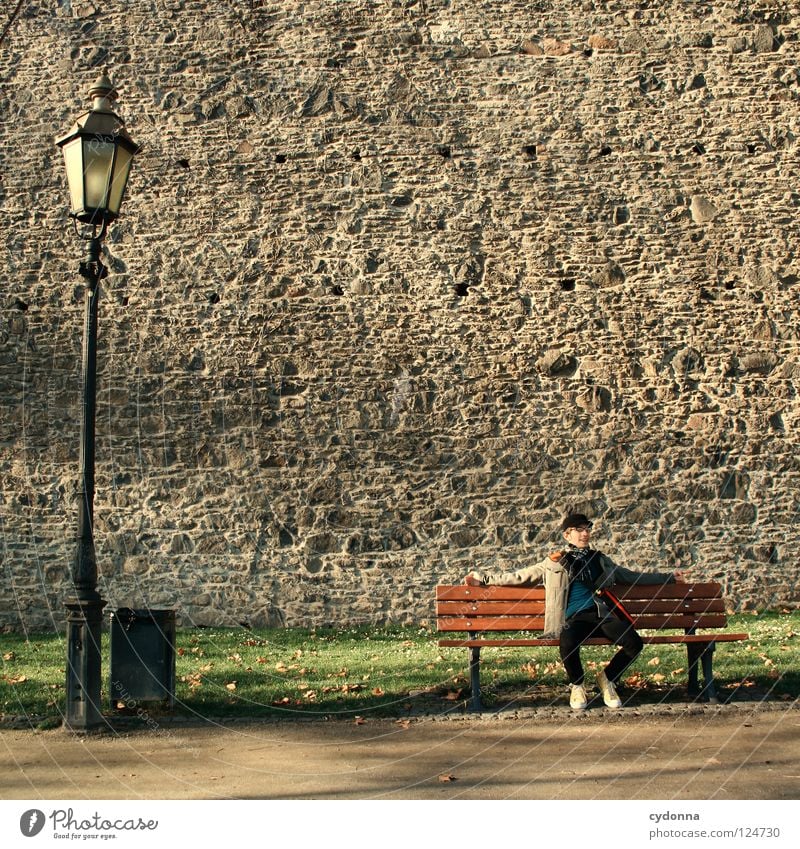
x=471, y=581
x=680, y=577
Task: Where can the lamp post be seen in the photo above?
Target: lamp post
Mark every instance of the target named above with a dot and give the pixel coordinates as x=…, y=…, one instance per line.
x=98, y=153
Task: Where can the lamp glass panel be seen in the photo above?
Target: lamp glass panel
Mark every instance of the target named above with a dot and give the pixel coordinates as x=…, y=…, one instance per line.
x=98, y=157
x=122, y=167
x=73, y=162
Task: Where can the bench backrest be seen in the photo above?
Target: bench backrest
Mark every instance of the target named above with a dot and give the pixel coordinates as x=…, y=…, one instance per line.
x=654, y=607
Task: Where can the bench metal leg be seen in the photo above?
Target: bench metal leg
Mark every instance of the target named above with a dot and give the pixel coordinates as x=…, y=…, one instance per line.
x=702, y=655
x=693, y=651
x=707, y=659
x=475, y=678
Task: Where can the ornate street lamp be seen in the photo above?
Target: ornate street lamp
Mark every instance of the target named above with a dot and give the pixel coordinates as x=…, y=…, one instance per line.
x=98, y=153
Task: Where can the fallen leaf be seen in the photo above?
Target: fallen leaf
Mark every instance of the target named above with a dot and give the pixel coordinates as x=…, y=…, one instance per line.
x=654, y=661
x=359, y=720
x=658, y=677
x=231, y=686
x=452, y=695
x=447, y=777
x=403, y=723
x=378, y=692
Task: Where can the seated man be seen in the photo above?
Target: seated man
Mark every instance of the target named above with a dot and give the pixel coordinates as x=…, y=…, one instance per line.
x=574, y=612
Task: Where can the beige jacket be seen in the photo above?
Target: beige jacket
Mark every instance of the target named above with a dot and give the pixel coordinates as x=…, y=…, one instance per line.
x=556, y=584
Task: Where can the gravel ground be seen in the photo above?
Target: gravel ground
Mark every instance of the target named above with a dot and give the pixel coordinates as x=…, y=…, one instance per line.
x=746, y=750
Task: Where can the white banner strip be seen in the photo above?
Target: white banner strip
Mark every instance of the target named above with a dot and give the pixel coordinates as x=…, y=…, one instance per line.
x=396, y=824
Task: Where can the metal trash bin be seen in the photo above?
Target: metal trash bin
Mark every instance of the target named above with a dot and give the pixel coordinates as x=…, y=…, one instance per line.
x=142, y=657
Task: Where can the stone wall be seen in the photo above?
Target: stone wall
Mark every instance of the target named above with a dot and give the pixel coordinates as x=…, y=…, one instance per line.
x=396, y=283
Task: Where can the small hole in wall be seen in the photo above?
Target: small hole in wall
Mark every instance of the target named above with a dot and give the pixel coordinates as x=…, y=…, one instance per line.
x=280, y=158
x=356, y=154
x=568, y=285
x=444, y=151
x=698, y=148
x=529, y=150
x=337, y=290
x=461, y=289
x=184, y=163
x=125, y=301
x=213, y=298
x=605, y=150
x=729, y=285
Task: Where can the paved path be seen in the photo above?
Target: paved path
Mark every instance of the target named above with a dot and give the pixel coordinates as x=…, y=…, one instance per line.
x=729, y=752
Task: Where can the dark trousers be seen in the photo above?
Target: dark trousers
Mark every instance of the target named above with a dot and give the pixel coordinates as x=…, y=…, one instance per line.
x=586, y=624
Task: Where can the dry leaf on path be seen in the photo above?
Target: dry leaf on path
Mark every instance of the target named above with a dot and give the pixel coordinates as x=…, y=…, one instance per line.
x=447, y=777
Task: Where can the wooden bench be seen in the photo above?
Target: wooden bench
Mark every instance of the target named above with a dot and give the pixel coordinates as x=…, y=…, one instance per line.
x=511, y=616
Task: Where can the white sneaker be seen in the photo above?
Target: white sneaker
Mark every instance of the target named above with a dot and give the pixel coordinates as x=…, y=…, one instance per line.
x=577, y=697
x=608, y=690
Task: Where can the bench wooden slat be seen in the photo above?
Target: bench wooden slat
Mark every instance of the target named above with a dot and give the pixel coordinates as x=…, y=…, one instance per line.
x=536, y=608
x=491, y=623
x=692, y=620
x=676, y=605
x=596, y=641
x=536, y=623
x=536, y=593
x=463, y=592
x=493, y=608
x=662, y=591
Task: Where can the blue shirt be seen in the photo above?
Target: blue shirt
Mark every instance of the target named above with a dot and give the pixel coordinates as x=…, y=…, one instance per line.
x=584, y=570
x=580, y=598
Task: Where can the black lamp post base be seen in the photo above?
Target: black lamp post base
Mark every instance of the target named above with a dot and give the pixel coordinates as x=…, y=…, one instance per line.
x=84, y=620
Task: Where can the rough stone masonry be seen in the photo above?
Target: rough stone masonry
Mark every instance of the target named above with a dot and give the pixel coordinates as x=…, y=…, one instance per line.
x=395, y=284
